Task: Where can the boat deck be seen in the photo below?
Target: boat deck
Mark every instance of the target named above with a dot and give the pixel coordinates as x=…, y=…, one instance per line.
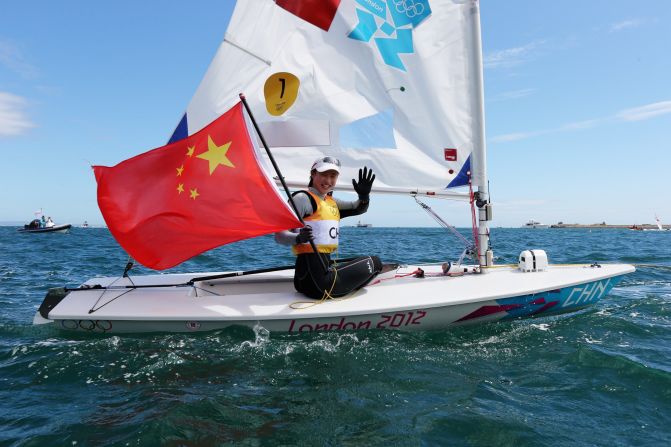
x=270, y=296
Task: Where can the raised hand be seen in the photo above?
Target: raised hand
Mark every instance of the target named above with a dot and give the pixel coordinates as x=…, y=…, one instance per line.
x=365, y=183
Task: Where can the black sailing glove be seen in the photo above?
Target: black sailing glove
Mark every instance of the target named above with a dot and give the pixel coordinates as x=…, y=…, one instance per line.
x=304, y=235
x=365, y=183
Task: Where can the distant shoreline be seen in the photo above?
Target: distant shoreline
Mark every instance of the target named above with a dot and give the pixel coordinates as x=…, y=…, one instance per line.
x=602, y=225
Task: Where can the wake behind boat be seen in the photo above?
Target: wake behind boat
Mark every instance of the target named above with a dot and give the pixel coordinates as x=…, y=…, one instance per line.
x=346, y=79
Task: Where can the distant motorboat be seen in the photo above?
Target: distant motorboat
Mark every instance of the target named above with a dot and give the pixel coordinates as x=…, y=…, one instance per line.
x=363, y=225
x=36, y=226
x=85, y=225
x=535, y=224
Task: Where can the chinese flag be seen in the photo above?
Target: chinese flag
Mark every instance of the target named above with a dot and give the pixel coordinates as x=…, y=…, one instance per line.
x=172, y=203
x=318, y=12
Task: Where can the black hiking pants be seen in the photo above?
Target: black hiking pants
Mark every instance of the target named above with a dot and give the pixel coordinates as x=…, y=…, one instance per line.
x=342, y=278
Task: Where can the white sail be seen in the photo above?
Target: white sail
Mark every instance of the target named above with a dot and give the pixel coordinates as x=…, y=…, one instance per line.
x=393, y=85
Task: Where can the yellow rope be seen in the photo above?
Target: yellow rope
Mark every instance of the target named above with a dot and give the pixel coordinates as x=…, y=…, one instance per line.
x=326, y=295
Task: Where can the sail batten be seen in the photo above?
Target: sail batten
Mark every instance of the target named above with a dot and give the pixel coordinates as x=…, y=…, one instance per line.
x=388, y=85
x=230, y=41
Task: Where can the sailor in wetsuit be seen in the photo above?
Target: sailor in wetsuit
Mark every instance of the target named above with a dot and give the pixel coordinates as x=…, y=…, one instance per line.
x=322, y=214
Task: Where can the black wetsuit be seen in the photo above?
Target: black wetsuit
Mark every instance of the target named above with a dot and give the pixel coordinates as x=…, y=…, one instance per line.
x=342, y=277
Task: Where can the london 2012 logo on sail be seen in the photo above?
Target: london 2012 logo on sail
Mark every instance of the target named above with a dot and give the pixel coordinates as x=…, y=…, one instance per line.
x=389, y=24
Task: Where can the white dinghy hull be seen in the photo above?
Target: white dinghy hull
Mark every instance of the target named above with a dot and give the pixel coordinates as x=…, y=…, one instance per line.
x=395, y=300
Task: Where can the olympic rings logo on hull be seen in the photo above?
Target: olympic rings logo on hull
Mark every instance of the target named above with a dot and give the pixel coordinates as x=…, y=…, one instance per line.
x=87, y=325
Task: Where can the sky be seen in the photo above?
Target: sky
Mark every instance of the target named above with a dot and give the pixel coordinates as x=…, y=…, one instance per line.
x=578, y=105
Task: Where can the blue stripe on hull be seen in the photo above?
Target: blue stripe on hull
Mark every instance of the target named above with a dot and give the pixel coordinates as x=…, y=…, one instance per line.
x=567, y=299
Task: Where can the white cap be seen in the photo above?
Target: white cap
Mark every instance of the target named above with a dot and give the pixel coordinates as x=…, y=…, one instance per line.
x=326, y=164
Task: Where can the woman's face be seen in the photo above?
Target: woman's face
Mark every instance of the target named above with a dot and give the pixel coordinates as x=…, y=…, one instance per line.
x=324, y=181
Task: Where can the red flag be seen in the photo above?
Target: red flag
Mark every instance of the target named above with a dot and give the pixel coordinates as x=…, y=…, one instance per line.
x=172, y=203
x=318, y=12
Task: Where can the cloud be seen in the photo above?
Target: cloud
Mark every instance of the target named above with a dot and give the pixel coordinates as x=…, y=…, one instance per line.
x=11, y=57
x=635, y=114
x=12, y=119
x=586, y=124
x=513, y=94
x=645, y=112
x=515, y=136
x=625, y=24
x=511, y=56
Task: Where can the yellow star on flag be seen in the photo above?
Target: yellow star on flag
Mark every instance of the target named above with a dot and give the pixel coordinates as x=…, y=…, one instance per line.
x=189, y=150
x=194, y=193
x=180, y=170
x=216, y=155
x=180, y=188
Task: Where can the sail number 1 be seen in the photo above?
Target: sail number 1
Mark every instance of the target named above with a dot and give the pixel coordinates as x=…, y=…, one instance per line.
x=280, y=91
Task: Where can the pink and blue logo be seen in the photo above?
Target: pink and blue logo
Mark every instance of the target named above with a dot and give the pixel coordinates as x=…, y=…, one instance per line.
x=389, y=24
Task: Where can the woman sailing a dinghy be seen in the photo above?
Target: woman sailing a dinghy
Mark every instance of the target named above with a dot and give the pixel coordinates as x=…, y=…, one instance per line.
x=322, y=213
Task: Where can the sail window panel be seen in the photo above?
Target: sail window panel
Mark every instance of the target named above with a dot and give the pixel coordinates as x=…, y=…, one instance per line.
x=375, y=131
x=296, y=133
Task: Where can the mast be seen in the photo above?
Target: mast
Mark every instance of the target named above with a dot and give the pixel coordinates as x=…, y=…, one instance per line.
x=479, y=174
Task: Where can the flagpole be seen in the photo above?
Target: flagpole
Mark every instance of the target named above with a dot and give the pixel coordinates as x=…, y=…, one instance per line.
x=279, y=174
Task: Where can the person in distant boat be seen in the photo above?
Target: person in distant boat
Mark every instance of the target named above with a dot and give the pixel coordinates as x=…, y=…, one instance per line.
x=44, y=222
x=50, y=223
x=321, y=214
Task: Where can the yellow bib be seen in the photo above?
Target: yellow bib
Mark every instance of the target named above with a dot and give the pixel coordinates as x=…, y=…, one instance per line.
x=325, y=223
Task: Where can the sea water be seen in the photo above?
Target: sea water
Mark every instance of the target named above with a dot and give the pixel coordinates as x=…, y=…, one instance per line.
x=599, y=377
